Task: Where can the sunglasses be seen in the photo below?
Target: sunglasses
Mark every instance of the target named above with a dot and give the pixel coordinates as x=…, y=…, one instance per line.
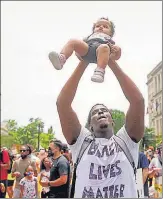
x=23, y=151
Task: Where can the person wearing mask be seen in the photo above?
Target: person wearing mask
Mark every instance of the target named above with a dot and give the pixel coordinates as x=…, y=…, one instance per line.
x=19, y=167
x=59, y=172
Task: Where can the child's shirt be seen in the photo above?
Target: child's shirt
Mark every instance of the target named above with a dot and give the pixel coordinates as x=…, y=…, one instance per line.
x=29, y=187
x=100, y=37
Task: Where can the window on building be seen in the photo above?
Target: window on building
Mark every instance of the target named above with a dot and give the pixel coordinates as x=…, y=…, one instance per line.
x=155, y=85
x=161, y=126
x=157, y=127
x=159, y=83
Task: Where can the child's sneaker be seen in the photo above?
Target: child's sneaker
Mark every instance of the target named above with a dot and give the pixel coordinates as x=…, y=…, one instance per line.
x=58, y=60
x=98, y=75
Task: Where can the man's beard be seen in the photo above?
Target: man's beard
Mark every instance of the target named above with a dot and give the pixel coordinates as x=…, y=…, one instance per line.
x=103, y=126
x=23, y=156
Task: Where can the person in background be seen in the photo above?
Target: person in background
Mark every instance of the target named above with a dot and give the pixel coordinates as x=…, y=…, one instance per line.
x=45, y=175
x=144, y=164
x=28, y=184
x=155, y=170
x=10, y=179
x=4, y=166
x=59, y=172
x=42, y=154
x=19, y=167
x=150, y=156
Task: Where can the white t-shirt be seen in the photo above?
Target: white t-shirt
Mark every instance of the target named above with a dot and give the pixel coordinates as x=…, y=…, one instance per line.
x=45, y=179
x=100, y=36
x=104, y=170
x=155, y=163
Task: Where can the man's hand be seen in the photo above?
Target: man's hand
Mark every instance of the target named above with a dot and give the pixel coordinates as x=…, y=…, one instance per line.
x=44, y=184
x=17, y=174
x=115, y=52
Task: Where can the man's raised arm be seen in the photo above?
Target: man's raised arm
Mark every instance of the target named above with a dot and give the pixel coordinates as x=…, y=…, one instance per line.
x=69, y=121
x=135, y=115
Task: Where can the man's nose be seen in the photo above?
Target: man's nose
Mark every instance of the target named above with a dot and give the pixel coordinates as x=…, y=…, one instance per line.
x=100, y=112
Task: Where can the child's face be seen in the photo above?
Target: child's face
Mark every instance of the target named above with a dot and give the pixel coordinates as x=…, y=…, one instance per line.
x=29, y=171
x=103, y=26
x=47, y=162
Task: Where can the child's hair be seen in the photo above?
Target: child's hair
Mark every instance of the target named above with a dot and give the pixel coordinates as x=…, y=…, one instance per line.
x=111, y=25
x=42, y=166
x=26, y=170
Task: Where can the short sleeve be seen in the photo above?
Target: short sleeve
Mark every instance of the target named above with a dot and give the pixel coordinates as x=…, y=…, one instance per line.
x=22, y=182
x=6, y=158
x=63, y=167
x=144, y=163
x=75, y=148
x=152, y=163
x=132, y=146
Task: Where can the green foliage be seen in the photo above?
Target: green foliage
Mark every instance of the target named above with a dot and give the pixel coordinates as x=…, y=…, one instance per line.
x=150, y=139
x=119, y=119
x=33, y=133
x=7, y=141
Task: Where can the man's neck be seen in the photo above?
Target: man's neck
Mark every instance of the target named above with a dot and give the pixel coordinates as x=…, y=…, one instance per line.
x=108, y=134
x=56, y=156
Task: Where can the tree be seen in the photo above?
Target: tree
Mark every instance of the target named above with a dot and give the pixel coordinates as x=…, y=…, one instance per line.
x=46, y=137
x=33, y=133
x=118, y=118
x=149, y=139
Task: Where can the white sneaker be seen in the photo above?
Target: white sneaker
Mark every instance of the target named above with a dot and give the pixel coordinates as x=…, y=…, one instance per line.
x=57, y=60
x=98, y=75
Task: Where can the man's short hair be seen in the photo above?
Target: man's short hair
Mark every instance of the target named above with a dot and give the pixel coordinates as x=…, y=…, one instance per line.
x=58, y=143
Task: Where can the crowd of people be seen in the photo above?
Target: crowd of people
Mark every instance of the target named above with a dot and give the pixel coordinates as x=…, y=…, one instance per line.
x=48, y=173
x=103, y=164
x=43, y=174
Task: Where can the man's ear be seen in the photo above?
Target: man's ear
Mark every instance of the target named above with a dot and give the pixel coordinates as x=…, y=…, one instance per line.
x=113, y=124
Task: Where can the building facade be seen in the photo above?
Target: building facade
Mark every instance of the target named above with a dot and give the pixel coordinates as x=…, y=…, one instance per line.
x=154, y=83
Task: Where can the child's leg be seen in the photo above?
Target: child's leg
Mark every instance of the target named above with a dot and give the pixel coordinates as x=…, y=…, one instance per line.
x=58, y=60
x=103, y=54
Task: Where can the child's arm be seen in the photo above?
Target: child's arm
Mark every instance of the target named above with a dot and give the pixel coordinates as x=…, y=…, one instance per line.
x=21, y=191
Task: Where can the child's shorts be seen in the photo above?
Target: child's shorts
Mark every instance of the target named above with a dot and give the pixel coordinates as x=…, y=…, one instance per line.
x=91, y=56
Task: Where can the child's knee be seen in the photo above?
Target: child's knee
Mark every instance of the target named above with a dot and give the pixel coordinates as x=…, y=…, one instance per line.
x=73, y=41
x=103, y=48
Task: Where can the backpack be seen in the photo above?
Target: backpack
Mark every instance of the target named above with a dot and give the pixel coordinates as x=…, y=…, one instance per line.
x=84, y=146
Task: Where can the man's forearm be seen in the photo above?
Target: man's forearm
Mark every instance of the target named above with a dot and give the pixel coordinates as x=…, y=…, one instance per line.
x=67, y=93
x=57, y=182
x=129, y=88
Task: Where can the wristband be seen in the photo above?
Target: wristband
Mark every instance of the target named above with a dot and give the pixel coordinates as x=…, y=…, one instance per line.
x=49, y=183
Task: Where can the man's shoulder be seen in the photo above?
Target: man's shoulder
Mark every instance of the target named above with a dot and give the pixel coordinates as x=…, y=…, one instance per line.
x=62, y=159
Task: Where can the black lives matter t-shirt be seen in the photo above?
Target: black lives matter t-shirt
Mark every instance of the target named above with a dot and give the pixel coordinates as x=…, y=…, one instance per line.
x=60, y=167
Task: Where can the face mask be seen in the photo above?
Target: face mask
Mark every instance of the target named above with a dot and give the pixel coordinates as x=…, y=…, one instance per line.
x=50, y=153
x=29, y=173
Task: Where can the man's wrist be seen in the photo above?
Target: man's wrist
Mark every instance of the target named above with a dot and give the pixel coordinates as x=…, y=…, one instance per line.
x=49, y=184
